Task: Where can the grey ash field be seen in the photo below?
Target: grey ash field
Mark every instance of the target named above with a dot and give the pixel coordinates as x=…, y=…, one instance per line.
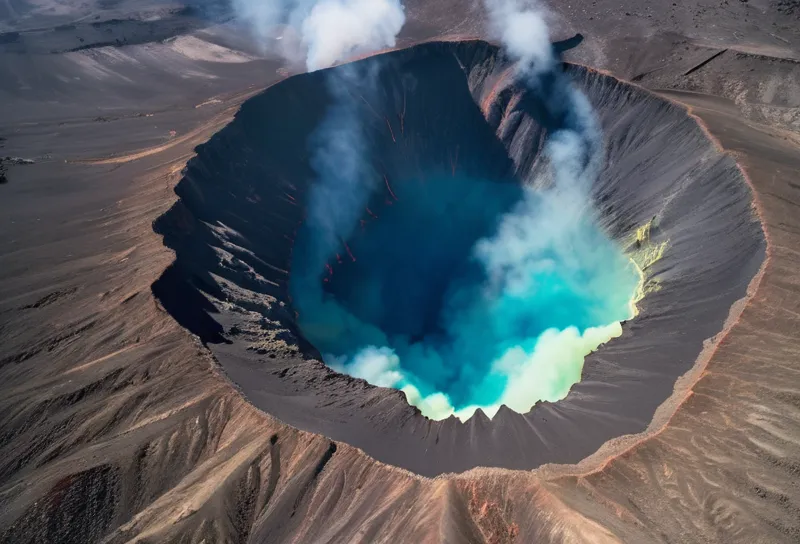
x=143, y=400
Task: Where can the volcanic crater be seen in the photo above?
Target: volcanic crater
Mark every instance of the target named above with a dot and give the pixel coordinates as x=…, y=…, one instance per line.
x=668, y=197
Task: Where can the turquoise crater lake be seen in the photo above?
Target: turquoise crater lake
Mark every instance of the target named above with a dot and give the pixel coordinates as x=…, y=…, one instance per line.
x=464, y=293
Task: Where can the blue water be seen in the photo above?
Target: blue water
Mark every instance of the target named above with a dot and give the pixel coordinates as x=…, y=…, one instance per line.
x=464, y=293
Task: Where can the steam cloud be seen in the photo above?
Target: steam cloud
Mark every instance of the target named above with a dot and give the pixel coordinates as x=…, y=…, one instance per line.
x=331, y=31
x=551, y=287
x=324, y=31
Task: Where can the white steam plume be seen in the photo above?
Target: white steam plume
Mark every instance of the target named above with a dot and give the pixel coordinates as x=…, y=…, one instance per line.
x=548, y=226
x=331, y=31
x=522, y=29
x=323, y=32
x=340, y=156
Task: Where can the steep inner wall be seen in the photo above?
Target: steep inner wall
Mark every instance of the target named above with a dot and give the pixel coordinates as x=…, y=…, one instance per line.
x=679, y=206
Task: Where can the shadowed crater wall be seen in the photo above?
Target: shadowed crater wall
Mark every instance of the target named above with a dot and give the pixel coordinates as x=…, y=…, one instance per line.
x=678, y=207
